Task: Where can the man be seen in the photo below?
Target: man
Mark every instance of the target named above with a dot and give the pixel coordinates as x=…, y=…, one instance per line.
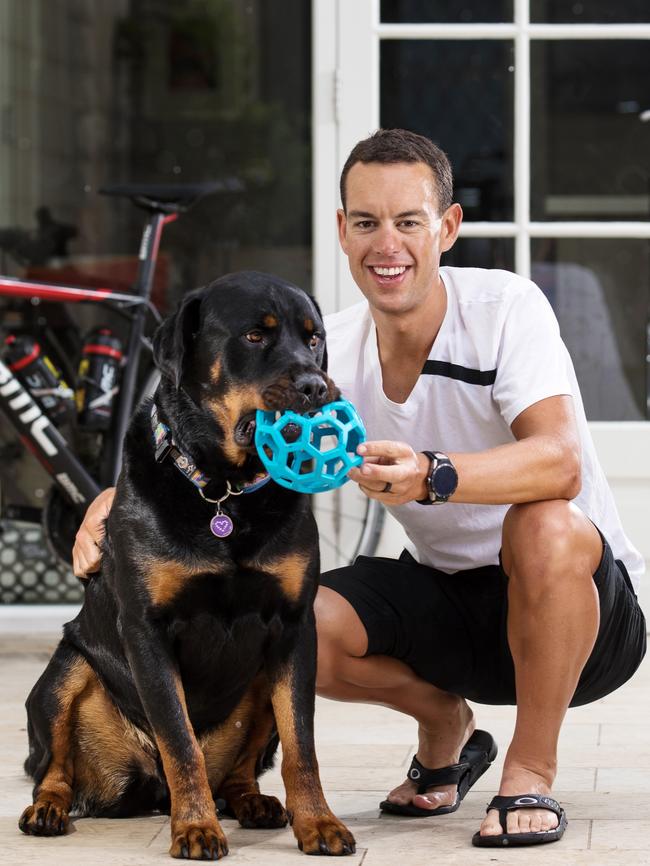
x=509, y=593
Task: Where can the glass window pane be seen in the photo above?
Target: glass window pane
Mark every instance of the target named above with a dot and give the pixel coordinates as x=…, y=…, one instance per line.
x=460, y=94
x=482, y=253
x=599, y=291
x=589, y=11
x=590, y=130
x=180, y=91
x=446, y=11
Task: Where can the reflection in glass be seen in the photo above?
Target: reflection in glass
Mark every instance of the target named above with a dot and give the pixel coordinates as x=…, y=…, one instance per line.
x=446, y=11
x=599, y=290
x=459, y=94
x=589, y=11
x=482, y=253
x=590, y=130
x=162, y=91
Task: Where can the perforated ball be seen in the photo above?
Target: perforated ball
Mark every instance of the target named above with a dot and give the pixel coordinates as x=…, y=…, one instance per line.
x=310, y=453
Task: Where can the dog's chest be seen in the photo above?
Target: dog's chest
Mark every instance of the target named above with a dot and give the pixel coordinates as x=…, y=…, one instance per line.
x=219, y=658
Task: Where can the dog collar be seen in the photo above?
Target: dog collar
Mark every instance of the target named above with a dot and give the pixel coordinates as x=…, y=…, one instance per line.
x=166, y=447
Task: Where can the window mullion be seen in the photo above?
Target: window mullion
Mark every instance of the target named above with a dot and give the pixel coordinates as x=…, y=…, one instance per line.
x=522, y=138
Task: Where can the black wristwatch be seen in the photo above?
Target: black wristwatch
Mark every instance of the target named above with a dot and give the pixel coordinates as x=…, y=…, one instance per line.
x=442, y=478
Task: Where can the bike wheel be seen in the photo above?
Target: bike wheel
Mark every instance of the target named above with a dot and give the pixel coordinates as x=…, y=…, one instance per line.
x=60, y=520
x=349, y=525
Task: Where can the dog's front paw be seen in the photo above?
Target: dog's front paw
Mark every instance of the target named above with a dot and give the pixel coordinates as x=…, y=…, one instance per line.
x=259, y=811
x=44, y=818
x=198, y=841
x=323, y=834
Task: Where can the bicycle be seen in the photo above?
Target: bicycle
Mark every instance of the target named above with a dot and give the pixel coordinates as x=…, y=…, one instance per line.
x=78, y=469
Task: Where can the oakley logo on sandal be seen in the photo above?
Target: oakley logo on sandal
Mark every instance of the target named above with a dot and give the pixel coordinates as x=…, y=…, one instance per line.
x=526, y=801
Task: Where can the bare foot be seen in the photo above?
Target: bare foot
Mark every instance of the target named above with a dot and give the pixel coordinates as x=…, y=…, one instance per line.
x=440, y=742
x=517, y=781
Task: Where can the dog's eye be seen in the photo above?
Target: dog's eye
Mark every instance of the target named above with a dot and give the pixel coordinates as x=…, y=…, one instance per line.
x=254, y=336
x=314, y=341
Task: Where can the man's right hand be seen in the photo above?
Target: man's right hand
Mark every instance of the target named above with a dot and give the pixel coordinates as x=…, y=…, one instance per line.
x=86, y=554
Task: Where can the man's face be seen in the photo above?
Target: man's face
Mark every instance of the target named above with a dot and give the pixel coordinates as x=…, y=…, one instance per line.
x=393, y=234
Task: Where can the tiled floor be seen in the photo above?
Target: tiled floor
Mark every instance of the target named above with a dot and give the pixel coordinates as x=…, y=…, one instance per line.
x=604, y=784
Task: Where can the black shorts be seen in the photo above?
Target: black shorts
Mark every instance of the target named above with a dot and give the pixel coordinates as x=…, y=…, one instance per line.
x=451, y=628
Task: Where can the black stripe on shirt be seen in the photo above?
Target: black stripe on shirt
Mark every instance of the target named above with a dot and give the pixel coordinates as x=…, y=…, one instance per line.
x=463, y=374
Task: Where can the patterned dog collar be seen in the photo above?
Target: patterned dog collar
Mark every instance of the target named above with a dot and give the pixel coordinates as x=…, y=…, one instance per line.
x=166, y=447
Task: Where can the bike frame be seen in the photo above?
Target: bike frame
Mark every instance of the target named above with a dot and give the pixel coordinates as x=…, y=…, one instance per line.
x=32, y=425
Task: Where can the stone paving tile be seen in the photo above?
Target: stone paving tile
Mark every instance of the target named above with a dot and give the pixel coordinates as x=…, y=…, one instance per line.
x=621, y=835
x=364, y=755
x=629, y=736
x=616, y=780
x=91, y=841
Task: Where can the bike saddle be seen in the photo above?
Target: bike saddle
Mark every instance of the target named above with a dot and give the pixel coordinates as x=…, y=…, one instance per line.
x=170, y=198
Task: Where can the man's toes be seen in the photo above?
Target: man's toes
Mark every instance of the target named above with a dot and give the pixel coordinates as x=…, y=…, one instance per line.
x=491, y=825
x=432, y=800
x=535, y=823
x=543, y=819
x=531, y=821
x=402, y=795
x=519, y=821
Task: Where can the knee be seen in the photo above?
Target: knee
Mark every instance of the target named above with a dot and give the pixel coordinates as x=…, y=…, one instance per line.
x=340, y=635
x=542, y=540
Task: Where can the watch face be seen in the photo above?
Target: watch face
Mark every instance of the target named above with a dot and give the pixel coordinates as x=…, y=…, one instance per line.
x=445, y=480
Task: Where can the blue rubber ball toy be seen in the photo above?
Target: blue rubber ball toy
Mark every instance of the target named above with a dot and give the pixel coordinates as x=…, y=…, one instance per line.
x=310, y=453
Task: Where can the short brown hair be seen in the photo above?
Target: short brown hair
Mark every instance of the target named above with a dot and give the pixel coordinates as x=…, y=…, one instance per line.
x=400, y=145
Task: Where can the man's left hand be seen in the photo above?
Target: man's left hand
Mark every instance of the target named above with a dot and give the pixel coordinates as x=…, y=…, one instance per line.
x=392, y=472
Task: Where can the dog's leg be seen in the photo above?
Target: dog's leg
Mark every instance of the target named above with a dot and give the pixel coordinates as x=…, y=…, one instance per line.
x=196, y=832
x=51, y=711
x=240, y=789
x=316, y=828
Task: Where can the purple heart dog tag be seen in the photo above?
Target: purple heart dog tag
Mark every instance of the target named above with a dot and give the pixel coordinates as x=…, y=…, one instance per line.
x=221, y=525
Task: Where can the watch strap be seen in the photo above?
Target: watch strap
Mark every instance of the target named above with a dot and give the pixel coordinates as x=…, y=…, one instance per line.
x=427, y=499
x=436, y=459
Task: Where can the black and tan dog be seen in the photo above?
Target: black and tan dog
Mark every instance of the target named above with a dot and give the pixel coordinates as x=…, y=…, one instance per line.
x=195, y=650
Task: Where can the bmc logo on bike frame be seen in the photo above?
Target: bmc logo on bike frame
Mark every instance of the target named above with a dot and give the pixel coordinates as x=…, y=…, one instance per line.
x=28, y=412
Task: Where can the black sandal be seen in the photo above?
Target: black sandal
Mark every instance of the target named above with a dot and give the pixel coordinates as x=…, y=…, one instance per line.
x=512, y=840
x=477, y=755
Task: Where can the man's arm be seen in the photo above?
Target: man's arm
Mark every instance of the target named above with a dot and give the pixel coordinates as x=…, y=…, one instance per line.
x=86, y=554
x=544, y=463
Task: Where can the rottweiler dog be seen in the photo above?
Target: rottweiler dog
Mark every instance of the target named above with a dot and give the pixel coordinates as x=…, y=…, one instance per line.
x=195, y=648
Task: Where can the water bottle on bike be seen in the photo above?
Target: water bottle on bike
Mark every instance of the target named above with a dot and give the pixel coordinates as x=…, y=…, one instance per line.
x=99, y=370
x=40, y=376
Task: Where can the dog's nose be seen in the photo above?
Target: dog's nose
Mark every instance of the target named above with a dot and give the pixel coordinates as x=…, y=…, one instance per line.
x=312, y=387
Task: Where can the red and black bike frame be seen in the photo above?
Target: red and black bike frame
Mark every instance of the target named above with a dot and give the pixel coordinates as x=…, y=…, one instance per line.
x=31, y=423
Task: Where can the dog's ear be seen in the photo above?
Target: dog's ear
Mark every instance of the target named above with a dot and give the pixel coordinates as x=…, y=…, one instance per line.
x=323, y=363
x=172, y=342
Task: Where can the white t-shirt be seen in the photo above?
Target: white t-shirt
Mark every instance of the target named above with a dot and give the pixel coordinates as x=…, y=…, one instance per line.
x=497, y=352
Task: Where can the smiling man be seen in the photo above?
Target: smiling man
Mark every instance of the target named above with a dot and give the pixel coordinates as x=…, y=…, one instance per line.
x=515, y=587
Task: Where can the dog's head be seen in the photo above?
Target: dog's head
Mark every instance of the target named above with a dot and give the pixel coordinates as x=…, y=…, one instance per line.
x=247, y=341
